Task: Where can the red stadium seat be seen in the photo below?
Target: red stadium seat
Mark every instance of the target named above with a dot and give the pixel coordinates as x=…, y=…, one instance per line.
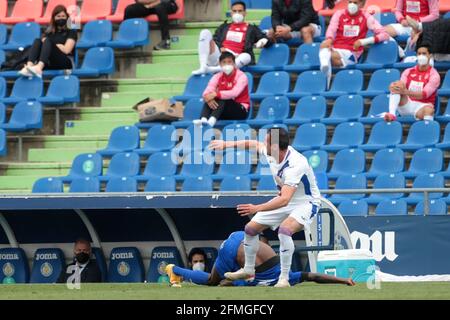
x=95, y=10
x=51, y=4
x=376, y=6
x=120, y=11
x=318, y=4
x=179, y=15
x=329, y=12
x=3, y=9
x=24, y=11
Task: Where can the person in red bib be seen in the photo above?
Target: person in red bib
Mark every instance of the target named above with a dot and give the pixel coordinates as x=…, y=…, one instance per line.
x=227, y=96
x=237, y=38
x=415, y=93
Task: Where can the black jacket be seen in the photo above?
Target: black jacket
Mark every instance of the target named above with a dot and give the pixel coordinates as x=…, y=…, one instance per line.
x=298, y=15
x=90, y=273
x=254, y=34
x=435, y=35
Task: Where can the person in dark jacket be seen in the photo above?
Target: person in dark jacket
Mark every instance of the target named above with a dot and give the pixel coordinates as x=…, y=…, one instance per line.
x=87, y=268
x=294, y=19
x=237, y=38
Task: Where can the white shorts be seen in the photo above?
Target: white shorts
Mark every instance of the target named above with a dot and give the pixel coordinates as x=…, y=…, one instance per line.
x=302, y=212
x=347, y=57
x=401, y=30
x=411, y=108
x=317, y=31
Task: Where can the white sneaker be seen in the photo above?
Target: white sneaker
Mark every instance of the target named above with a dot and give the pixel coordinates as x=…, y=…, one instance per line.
x=200, y=71
x=34, y=72
x=239, y=275
x=282, y=283
x=212, y=122
x=24, y=72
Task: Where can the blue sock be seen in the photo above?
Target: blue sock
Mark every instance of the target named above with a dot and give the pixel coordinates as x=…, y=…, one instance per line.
x=197, y=277
x=295, y=277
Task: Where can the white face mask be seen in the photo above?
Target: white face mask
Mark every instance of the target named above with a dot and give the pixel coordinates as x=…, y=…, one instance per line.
x=352, y=8
x=227, y=69
x=237, y=18
x=422, y=60
x=199, y=266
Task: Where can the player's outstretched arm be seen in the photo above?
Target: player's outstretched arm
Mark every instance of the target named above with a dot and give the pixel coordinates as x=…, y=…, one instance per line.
x=323, y=278
x=241, y=144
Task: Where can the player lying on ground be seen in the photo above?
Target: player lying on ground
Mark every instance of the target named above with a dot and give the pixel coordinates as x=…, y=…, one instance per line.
x=231, y=258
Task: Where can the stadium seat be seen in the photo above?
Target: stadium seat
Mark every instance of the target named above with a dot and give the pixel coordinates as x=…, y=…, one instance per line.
x=122, y=139
x=238, y=131
x=349, y=208
x=125, y=265
x=3, y=143
x=306, y=58
x=380, y=81
x=62, y=89
x=445, y=116
x=262, y=169
x=25, y=89
x=308, y=83
x=2, y=113
x=308, y=109
x=387, y=181
x=25, y=116
x=194, y=87
x=444, y=91
x=261, y=4
x=197, y=184
x=192, y=110
x=3, y=87
x=195, y=164
x=347, y=162
x=392, y=208
x=85, y=185
x=48, y=185
x=23, y=11
x=22, y=36
x=436, y=207
x=132, y=33
x=426, y=160
x=327, y=12
x=273, y=58
x=14, y=264
x=354, y=181
x=3, y=9
x=160, y=137
x=95, y=33
x=346, y=135
x=47, y=265
x=383, y=135
x=265, y=24
x=378, y=106
x=432, y=180
x=179, y=15
x=385, y=161
x=84, y=166
x=422, y=134
x=120, y=11
x=159, y=164
x=123, y=184
x=381, y=55
x=195, y=138
x=322, y=181
x=159, y=259
x=262, y=132
x=376, y=6
x=272, y=83
x=236, y=183
x=99, y=257
x=266, y=183
x=346, y=108
x=234, y=163
x=125, y=164
x=445, y=144
x=95, y=10
x=97, y=61
x=271, y=110
x=160, y=184
x=317, y=159
x=310, y=136
x=345, y=82
x=3, y=39
x=51, y=4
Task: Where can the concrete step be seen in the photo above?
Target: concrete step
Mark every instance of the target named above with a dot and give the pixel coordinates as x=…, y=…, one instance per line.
x=56, y=154
x=45, y=169
x=92, y=141
x=95, y=127
x=18, y=182
x=166, y=70
x=115, y=99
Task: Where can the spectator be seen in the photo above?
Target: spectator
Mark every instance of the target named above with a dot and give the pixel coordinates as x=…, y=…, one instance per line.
x=415, y=93
x=346, y=37
x=294, y=19
x=89, y=271
x=237, y=37
x=226, y=96
x=55, y=50
x=162, y=8
x=197, y=259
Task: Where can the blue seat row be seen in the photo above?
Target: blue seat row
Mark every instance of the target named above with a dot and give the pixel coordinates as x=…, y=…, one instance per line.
x=391, y=207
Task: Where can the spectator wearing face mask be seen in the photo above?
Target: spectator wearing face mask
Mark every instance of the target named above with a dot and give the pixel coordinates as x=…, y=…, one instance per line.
x=197, y=260
x=89, y=271
x=237, y=38
x=226, y=96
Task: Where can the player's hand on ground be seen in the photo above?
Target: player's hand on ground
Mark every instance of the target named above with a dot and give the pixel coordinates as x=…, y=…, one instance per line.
x=217, y=145
x=350, y=282
x=247, y=209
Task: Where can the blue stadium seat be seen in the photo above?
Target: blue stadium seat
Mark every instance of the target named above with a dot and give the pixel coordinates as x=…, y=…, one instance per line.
x=95, y=33
x=235, y=132
x=380, y=81
x=159, y=259
x=381, y=55
x=322, y=181
x=266, y=183
x=22, y=35
x=308, y=109
x=262, y=132
x=306, y=58
x=387, y=18
x=195, y=138
x=86, y=184
x=383, y=135
x=262, y=169
x=265, y=24
x=308, y=83
x=25, y=89
x=346, y=108
x=273, y=58
x=25, y=116
x=14, y=264
x=48, y=185
x=390, y=160
x=2, y=112
x=392, y=208
x=3, y=143
x=271, y=110
x=250, y=81
x=436, y=206
x=445, y=116
x=261, y=4
x=160, y=184
x=122, y=139
x=346, y=82
x=195, y=184
x=234, y=163
x=317, y=159
x=347, y=162
x=192, y=110
x=99, y=257
x=159, y=164
x=272, y=83
x=346, y=135
x=194, y=87
x=310, y=136
x=236, y=183
x=432, y=180
x=445, y=144
x=444, y=91
x=3, y=34
x=354, y=181
x=195, y=164
x=124, y=164
x=123, y=184
x=426, y=160
x=352, y=208
x=47, y=265
x=85, y=165
x=387, y=181
x=422, y=134
x=3, y=87
x=2, y=55
x=125, y=265
x=97, y=61
x=62, y=89
x=132, y=33
x=378, y=106
x=160, y=137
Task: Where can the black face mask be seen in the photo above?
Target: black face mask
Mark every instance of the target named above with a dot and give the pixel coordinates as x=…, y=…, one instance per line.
x=82, y=257
x=61, y=22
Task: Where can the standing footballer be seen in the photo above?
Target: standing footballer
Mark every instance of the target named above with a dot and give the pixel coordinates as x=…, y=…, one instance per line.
x=292, y=210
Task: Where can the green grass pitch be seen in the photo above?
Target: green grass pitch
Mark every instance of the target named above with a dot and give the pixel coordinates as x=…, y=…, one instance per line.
x=428, y=290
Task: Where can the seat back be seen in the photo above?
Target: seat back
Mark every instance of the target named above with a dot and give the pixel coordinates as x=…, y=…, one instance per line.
x=160, y=184
x=196, y=84
x=348, y=133
x=427, y=160
x=436, y=207
x=274, y=108
x=24, y=33
x=350, y=81
x=349, y=161
x=125, y=265
x=67, y=87
x=385, y=52
x=96, y=8
x=235, y=163
x=389, y=181
x=124, y=164
x=125, y=138
x=160, y=164
x=48, y=185
x=311, y=135
x=276, y=55
x=101, y=59
x=307, y=54
x=236, y=183
x=87, y=165
x=160, y=258
x=14, y=265
x=386, y=133
x=197, y=163
x=85, y=185
x=313, y=82
x=28, y=88
x=349, y=107
x=381, y=79
x=47, y=265
x=311, y=107
x=97, y=31
x=274, y=82
x=391, y=160
x=317, y=159
x=199, y=183
x=392, y=208
x=30, y=9
x=123, y=184
x=353, y=208
x=424, y=132
x=379, y=105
